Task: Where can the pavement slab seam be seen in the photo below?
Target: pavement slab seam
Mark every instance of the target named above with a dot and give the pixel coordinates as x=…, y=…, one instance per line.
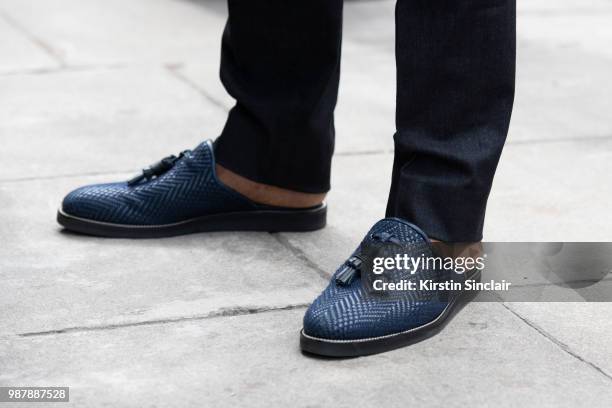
x=301, y=255
x=581, y=139
x=574, y=12
x=564, y=347
x=63, y=69
x=174, y=70
x=66, y=176
x=222, y=312
x=338, y=154
x=39, y=42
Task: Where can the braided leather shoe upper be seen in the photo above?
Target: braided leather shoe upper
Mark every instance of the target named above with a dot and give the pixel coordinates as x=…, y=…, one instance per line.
x=346, y=311
x=187, y=187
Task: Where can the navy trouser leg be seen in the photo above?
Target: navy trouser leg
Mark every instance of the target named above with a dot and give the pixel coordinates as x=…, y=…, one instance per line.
x=281, y=62
x=455, y=90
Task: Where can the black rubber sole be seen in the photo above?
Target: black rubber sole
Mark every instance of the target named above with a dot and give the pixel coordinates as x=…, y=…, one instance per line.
x=262, y=220
x=364, y=347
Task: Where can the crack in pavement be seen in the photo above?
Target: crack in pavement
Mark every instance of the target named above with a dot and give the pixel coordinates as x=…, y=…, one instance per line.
x=603, y=139
x=124, y=172
x=564, y=347
x=39, y=42
x=567, y=12
x=568, y=285
x=298, y=253
x=63, y=69
x=174, y=70
x=61, y=176
x=222, y=312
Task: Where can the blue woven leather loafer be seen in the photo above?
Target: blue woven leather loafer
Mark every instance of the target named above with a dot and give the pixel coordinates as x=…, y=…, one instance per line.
x=348, y=319
x=178, y=195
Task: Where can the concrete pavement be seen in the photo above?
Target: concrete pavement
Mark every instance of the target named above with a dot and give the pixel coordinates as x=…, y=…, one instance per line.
x=92, y=90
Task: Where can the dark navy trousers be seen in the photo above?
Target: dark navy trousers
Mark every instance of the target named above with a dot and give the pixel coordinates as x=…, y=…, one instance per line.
x=455, y=89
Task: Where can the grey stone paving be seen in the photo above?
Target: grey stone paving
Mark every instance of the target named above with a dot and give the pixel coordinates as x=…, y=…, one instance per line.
x=253, y=361
x=109, y=117
x=92, y=90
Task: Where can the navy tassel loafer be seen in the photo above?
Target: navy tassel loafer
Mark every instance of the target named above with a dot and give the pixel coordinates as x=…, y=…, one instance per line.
x=178, y=195
x=351, y=319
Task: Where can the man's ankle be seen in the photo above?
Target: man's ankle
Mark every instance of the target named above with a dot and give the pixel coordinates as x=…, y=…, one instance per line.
x=457, y=250
x=267, y=194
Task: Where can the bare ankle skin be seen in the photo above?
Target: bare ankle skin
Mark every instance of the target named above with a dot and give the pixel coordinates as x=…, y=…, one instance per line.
x=266, y=194
x=457, y=250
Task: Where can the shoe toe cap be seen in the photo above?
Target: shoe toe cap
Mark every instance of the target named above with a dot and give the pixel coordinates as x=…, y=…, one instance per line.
x=337, y=315
x=95, y=202
x=319, y=323
x=350, y=315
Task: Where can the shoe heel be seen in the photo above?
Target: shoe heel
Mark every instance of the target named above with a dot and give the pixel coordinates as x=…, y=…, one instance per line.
x=294, y=221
